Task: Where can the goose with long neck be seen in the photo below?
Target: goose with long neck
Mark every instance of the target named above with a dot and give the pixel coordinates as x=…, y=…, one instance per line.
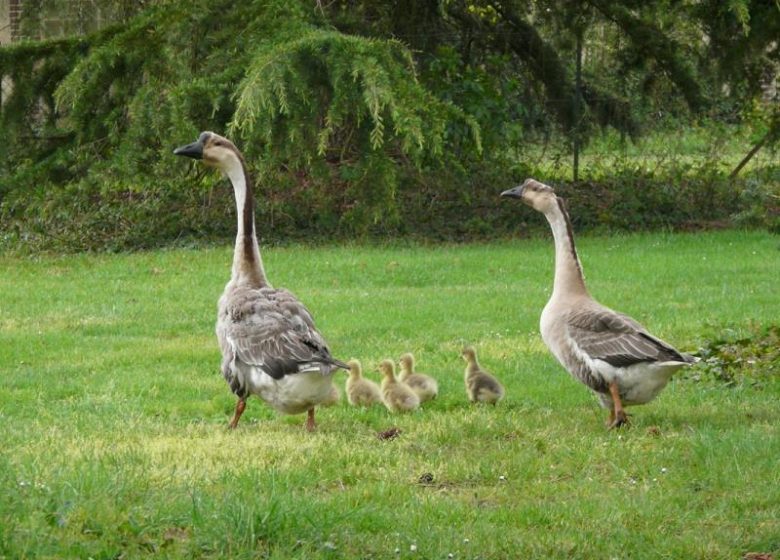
x=608, y=351
x=270, y=346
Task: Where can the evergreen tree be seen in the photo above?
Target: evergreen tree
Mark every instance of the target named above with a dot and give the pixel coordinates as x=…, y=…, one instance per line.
x=356, y=116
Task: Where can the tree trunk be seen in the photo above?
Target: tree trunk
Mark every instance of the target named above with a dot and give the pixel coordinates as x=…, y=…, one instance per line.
x=577, y=106
x=753, y=151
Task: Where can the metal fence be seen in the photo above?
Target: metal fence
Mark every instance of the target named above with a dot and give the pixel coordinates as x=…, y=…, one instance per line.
x=10, y=17
x=50, y=19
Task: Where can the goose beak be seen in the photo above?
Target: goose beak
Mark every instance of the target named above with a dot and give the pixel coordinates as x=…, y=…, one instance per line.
x=194, y=150
x=516, y=192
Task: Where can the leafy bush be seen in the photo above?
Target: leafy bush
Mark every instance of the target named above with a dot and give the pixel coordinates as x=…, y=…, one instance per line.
x=759, y=202
x=736, y=357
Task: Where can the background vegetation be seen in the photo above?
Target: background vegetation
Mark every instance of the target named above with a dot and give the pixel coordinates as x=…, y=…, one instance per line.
x=376, y=118
x=113, y=412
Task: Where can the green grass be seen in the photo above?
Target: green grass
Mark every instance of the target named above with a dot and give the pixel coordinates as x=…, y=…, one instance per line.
x=710, y=145
x=113, y=414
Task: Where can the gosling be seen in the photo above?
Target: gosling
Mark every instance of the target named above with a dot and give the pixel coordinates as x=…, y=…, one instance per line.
x=481, y=387
x=423, y=385
x=361, y=391
x=397, y=397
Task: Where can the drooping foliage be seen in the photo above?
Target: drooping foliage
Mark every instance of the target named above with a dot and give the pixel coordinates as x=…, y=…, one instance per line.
x=311, y=106
x=348, y=108
x=356, y=117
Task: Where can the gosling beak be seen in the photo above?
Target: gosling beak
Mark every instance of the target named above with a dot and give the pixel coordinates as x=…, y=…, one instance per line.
x=194, y=150
x=516, y=192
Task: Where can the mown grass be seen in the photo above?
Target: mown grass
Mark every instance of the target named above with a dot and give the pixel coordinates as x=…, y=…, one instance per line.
x=113, y=415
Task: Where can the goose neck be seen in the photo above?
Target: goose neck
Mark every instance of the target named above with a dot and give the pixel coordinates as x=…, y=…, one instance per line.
x=247, y=262
x=569, y=279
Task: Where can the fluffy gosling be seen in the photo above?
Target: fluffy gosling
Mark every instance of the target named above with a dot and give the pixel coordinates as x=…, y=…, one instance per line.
x=361, y=391
x=481, y=387
x=397, y=396
x=423, y=385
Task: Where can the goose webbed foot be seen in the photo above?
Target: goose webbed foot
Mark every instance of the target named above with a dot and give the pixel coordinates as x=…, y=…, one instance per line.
x=240, y=406
x=616, y=420
x=311, y=425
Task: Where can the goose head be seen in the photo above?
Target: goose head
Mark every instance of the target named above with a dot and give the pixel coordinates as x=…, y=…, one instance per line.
x=387, y=368
x=407, y=362
x=537, y=195
x=214, y=150
x=469, y=354
x=355, y=369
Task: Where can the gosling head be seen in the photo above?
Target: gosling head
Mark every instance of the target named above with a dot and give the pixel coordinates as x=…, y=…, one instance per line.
x=214, y=150
x=469, y=354
x=407, y=362
x=355, y=369
x=387, y=368
x=537, y=195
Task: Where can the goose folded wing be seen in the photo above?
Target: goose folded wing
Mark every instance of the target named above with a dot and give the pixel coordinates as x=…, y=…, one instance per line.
x=279, y=337
x=616, y=339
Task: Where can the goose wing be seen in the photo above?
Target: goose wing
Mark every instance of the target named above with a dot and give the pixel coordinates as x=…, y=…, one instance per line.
x=269, y=328
x=617, y=339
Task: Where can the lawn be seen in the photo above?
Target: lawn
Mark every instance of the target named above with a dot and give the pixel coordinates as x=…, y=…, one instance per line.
x=113, y=414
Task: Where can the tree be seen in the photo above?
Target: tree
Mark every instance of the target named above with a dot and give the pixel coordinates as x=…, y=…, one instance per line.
x=351, y=112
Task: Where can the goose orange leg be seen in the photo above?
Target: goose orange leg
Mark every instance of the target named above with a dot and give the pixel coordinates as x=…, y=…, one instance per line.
x=240, y=406
x=617, y=416
x=311, y=425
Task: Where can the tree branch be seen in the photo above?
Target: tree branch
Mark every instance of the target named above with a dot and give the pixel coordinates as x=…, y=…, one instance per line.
x=656, y=45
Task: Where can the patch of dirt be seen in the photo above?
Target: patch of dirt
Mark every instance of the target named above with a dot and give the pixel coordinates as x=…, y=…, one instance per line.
x=758, y=556
x=425, y=478
x=390, y=433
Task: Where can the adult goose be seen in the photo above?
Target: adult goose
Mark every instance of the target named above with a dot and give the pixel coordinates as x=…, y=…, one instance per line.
x=270, y=346
x=608, y=351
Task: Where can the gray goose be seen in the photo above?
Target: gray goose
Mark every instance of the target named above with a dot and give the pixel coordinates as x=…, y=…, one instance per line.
x=610, y=352
x=426, y=387
x=481, y=386
x=270, y=346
